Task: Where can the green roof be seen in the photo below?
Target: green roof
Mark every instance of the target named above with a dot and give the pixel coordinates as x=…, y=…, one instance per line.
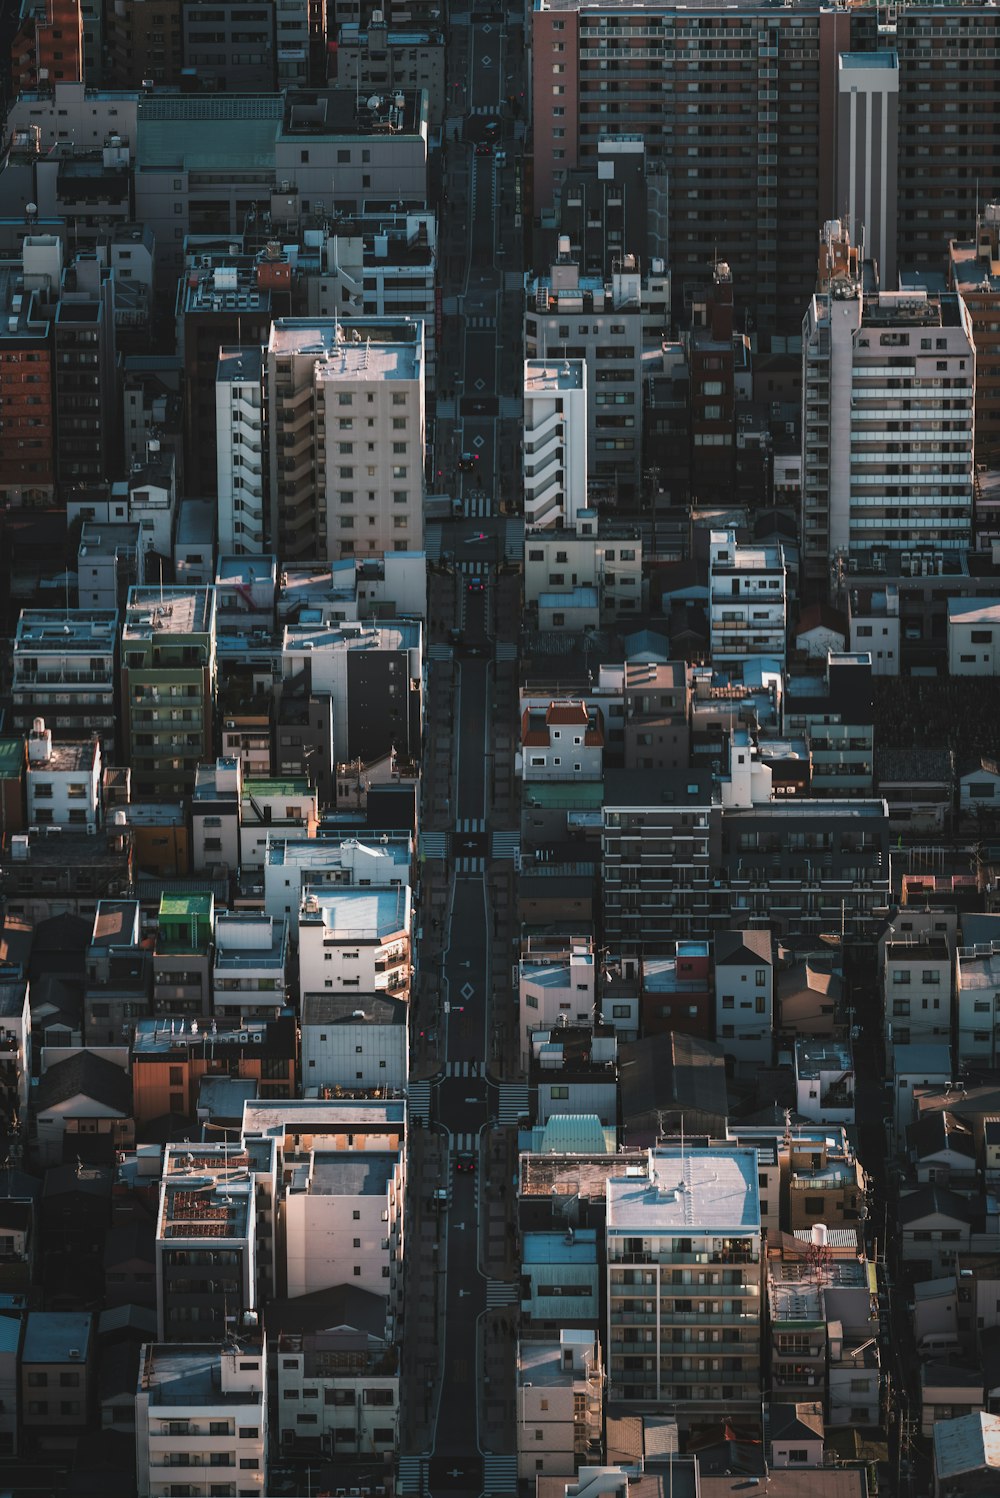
x=11, y=758
x=574, y=795
x=297, y=786
x=200, y=145
x=183, y=907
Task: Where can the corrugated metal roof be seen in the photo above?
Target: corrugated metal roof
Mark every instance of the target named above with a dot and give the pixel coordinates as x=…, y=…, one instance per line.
x=240, y=144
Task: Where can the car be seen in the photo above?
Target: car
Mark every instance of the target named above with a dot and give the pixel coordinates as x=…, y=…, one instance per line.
x=441, y=1197
x=493, y=128
x=475, y=586
x=467, y=462
x=500, y=158
x=484, y=148
x=466, y=1161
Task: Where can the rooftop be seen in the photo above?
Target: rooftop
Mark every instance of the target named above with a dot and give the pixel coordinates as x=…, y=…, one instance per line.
x=189, y=1376
x=114, y=922
x=52, y=1336
x=543, y=375
x=174, y=611
x=354, y=914
x=349, y=1173
x=66, y=629
x=353, y=1008
x=692, y=1191
x=358, y=349
x=238, y=366
x=65, y=758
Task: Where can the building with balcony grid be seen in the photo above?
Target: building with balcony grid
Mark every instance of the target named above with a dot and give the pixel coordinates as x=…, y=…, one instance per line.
x=346, y=436
x=555, y=443
x=353, y=938
x=201, y=1417
x=168, y=687
x=240, y=451
x=888, y=422
x=27, y=428
x=974, y=272
x=684, y=1268
x=560, y=1404
x=746, y=599
x=65, y=670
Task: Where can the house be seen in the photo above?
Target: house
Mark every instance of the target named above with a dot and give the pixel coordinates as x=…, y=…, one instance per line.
x=809, y=994
x=83, y=1109
x=979, y=789
x=913, y=1067
x=948, y=1392
x=130, y=1265
x=556, y=985
x=873, y=615
x=116, y=1386
x=676, y=991
x=821, y=629
x=17, y=1244
x=918, y=786
x=966, y=1457
x=796, y=1432
x=973, y=636
x=824, y=1081
x=934, y=1225
x=744, y=995
x=562, y=741
x=942, y=1149
x=672, y=1082
x=58, y=1364
x=559, y=1393
x=573, y=1069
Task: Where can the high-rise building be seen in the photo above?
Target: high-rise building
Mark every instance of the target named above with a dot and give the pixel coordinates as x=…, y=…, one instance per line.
x=47, y=46
x=230, y=44
x=684, y=1269
x=240, y=451
x=888, y=385
x=86, y=373
x=346, y=436
x=143, y=40
x=27, y=427
x=168, y=687
x=555, y=442
x=974, y=272
x=720, y=96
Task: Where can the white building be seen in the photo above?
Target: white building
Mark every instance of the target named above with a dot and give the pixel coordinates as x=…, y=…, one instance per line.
x=65, y=668
x=916, y=980
x=344, y=1223
x=873, y=616
x=973, y=636
x=744, y=995
x=355, y=940
x=215, y=815
x=870, y=364
x=201, y=1415
x=555, y=442
x=249, y=965
x=560, y=1404
x=746, y=599
x=240, y=451
x=588, y=555
x=563, y=741
x=556, y=985
x=63, y=780
x=354, y=1040
x=290, y=863
x=269, y=807
x=109, y=561
x=346, y=436
x=824, y=1081
x=977, y=1004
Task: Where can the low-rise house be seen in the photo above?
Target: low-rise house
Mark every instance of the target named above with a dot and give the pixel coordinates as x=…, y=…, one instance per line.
x=83, y=1110
x=942, y=1149
x=63, y=780
x=947, y=1392
x=973, y=636
x=574, y=1070
x=17, y=1244
x=935, y=1224
x=182, y=956
x=966, y=1456
x=170, y=1057
x=287, y=807
x=918, y=786
x=744, y=995
x=560, y=1402
x=796, y=1433
x=355, y=939
x=671, y=1084
x=249, y=965
x=130, y=1265
x=58, y=1364
x=202, y=1407
x=809, y=993
x=824, y=1081
x=556, y=985
x=354, y=1041
x=935, y=1313
x=914, y=1068
x=916, y=981
x=563, y=741
x=979, y=790
x=676, y=991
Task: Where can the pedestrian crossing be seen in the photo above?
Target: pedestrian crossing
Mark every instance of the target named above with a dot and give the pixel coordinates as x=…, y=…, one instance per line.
x=484, y=109
x=474, y=569
x=499, y=1476
x=513, y=540
x=465, y=1068
x=465, y=1144
x=433, y=844
x=506, y=650
x=418, y=1096
x=480, y=322
x=477, y=506
x=440, y=652
x=506, y=845
x=411, y=1474
x=500, y=1293
x=515, y=1103
x=469, y=864
x=470, y=824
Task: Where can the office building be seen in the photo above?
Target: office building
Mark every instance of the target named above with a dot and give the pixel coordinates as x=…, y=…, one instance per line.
x=696, y=1346
x=64, y=670
x=143, y=40
x=27, y=427
x=882, y=374
x=346, y=436
x=555, y=443
x=168, y=686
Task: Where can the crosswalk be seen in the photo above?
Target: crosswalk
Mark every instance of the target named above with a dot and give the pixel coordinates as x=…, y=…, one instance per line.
x=506, y=845
x=418, y=1096
x=506, y=650
x=515, y=1102
x=440, y=652
x=469, y=863
x=465, y=1068
x=474, y=569
x=480, y=322
x=470, y=824
x=484, y=109
x=433, y=845
x=433, y=542
x=500, y=1293
x=499, y=1476
x=411, y=1474
x=465, y=1144
x=477, y=505
x=513, y=540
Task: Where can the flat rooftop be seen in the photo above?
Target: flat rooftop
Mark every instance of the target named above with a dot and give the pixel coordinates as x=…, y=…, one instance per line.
x=335, y=1116
x=542, y=375
x=66, y=629
x=692, y=1191
x=65, y=758
x=352, y=1172
x=173, y=611
x=189, y=1376
x=50, y=1336
x=353, y=1009
x=238, y=366
x=351, y=914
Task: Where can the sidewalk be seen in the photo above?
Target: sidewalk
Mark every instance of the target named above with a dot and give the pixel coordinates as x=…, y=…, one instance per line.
x=498, y=1258
x=425, y=1264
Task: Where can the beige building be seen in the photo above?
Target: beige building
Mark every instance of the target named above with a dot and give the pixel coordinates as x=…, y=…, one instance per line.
x=560, y=1405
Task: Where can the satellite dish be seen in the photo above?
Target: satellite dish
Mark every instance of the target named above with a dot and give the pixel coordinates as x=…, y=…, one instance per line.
x=31, y=209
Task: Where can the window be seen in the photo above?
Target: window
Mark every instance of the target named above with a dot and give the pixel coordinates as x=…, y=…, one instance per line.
x=559, y=1093
x=798, y=1454
x=761, y=977
x=620, y=1011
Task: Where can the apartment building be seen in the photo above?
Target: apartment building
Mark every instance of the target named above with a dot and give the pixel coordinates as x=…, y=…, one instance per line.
x=291, y=863
x=57, y=1377
x=201, y=1415
x=560, y=1403
x=241, y=482
x=880, y=371
x=143, y=40
x=378, y=59
x=824, y=1081
x=182, y=956
x=688, y=1218
x=977, y=1004
x=354, y=1041
x=63, y=783
x=554, y=471
x=168, y=686
x=588, y=555
x=917, y=983
x=47, y=45
x=27, y=453
x=231, y=45
x=570, y=315
x=354, y=938
x=346, y=436
x=746, y=599
x=274, y=807
x=974, y=272
x=170, y=1057
x=556, y=985
x=249, y=965
x=343, y=1215
x=109, y=562
x=655, y=702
